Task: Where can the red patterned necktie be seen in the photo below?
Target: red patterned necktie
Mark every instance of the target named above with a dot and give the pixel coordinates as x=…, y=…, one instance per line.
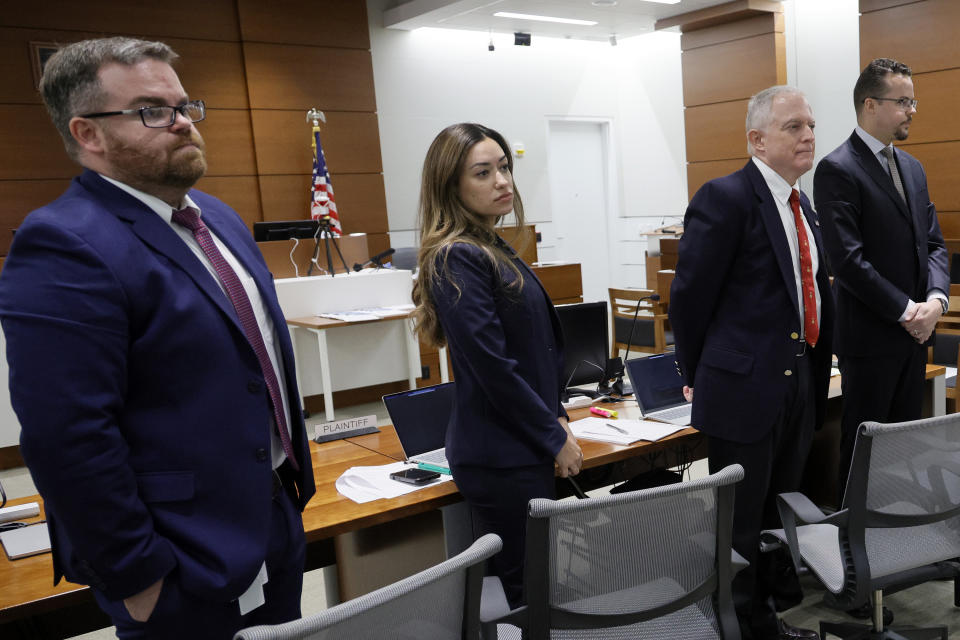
x=190, y=218
x=810, y=327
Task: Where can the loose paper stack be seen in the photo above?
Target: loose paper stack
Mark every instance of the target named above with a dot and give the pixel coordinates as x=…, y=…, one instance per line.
x=612, y=431
x=365, y=484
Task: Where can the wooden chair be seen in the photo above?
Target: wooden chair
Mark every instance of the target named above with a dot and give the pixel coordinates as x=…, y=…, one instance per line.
x=651, y=333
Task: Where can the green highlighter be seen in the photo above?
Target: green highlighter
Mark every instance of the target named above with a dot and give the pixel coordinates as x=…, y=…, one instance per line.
x=433, y=467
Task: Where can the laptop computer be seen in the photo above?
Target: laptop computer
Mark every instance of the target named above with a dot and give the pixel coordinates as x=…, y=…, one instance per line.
x=420, y=417
x=658, y=389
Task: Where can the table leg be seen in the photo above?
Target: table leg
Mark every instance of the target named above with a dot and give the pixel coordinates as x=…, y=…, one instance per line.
x=413, y=355
x=325, y=371
x=296, y=363
x=939, y=399
x=444, y=373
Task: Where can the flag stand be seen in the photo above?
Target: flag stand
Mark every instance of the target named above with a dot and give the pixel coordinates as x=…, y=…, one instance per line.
x=324, y=225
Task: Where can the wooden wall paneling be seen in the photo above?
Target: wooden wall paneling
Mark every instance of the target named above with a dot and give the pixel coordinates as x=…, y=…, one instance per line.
x=706, y=70
x=378, y=242
x=894, y=33
x=361, y=202
x=16, y=67
x=241, y=193
x=327, y=23
x=716, y=131
x=735, y=11
x=699, y=173
x=2, y=260
x=351, y=142
x=296, y=77
x=207, y=20
x=755, y=26
x=30, y=147
x=212, y=72
x=940, y=162
x=20, y=197
x=949, y=224
x=229, y=139
x=875, y=5
x=938, y=93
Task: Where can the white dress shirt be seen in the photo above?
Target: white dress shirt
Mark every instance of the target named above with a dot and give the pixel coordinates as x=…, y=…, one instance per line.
x=781, y=191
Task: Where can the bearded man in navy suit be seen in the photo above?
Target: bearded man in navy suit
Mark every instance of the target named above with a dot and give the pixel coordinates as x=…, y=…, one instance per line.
x=150, y=366
x=752, y=318
x=887, y=253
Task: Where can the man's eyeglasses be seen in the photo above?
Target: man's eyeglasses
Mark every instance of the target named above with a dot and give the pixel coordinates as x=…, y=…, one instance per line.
x=903, y=103
x=159, y=117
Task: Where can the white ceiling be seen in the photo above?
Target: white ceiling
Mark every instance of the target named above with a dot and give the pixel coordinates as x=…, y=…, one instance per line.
x=625, y=19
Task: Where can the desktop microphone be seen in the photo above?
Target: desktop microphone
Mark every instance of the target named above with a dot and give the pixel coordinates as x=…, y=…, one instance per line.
x=377, y=259
x=621, y=365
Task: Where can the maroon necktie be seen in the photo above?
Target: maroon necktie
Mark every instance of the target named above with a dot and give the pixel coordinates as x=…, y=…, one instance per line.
x=810, y=327
x=190, y=218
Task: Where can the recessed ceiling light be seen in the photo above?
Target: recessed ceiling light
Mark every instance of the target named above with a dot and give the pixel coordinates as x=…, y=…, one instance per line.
x=604, y=3
x=527, y=16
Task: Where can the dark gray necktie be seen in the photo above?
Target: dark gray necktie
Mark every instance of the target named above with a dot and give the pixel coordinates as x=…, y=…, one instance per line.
x=894, y=172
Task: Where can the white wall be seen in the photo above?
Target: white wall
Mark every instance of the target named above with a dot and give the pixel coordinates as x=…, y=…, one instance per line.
x=823, y=60
x=428, y=79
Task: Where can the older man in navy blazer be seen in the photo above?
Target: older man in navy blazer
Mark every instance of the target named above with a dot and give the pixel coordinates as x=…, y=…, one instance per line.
x=887, y=253
x=150, y=367
x=752, y=318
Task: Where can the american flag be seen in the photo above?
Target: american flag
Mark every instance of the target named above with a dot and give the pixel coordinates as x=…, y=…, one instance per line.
x=321, y=197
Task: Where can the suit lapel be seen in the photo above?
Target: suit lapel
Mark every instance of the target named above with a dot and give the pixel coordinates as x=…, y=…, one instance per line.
x=158, y=235
x=775, y=231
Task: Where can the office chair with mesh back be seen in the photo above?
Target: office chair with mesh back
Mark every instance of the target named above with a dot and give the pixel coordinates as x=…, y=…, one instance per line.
x=654, y=563
x=898, y=526
x=440, y=603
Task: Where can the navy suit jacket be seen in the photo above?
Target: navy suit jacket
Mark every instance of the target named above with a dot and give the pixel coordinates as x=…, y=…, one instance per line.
x=143, y=408
x=506, y=354
x=882, y=251
x=734, y=308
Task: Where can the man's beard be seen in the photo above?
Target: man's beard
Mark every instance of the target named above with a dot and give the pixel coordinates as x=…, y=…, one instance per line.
x=142, y=170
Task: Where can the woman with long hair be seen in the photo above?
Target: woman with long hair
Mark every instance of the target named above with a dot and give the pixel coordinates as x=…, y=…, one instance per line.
x=473, y=293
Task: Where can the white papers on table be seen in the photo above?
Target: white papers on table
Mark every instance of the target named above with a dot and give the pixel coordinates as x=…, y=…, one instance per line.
x=365, y=484
x=635, y=430
x=951, y=372
x=370, y=313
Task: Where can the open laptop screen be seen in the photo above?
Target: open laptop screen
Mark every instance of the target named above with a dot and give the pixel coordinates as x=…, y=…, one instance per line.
x=420, y=417
x=656, y=383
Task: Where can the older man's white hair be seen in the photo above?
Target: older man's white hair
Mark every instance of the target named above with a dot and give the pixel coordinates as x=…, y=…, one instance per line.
x=761, y=105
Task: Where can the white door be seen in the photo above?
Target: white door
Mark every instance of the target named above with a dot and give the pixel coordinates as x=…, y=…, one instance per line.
x=578, y=166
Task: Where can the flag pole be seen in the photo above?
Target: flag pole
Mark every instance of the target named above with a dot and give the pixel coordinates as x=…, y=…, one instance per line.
x=324, y=227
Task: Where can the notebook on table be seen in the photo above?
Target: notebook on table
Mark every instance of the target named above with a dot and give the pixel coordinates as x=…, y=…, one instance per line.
x=26, y=541
x=658, y=389
x=420, y=418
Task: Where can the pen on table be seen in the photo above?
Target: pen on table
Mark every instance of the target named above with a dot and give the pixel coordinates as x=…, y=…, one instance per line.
x=616, y=428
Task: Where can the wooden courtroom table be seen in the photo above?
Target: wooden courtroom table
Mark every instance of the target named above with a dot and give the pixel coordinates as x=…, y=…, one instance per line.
x=26, y=585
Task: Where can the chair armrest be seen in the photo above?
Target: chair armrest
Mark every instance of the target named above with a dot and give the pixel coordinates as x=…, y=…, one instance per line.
x=737, y=562
x=796, y=508
x=494, y=609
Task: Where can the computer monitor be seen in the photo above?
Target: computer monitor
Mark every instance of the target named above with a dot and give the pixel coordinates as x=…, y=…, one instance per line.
x=585, y=348
x=284, y=230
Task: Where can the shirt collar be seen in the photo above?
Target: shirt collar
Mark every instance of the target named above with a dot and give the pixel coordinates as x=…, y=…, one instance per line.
x=155, y=204
x=779, y=187
x=872, y=143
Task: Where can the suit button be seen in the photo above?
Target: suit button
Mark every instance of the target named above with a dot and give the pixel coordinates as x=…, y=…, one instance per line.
x=261, y=455
x=254, y=387
x=788, y=372
x=794, y=335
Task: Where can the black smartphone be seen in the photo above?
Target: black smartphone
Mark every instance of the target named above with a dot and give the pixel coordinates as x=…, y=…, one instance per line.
x=414, y=476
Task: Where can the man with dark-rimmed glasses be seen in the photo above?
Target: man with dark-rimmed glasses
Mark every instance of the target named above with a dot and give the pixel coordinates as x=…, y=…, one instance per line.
x=887, y=256
x=150, y=367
